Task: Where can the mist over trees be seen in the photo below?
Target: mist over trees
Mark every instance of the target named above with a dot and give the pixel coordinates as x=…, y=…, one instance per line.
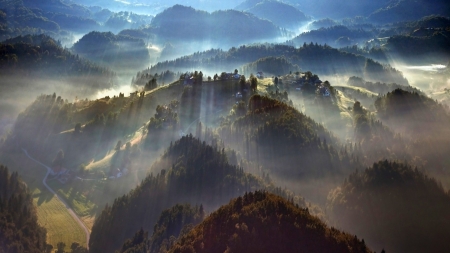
x=392, y=205
x=144, y=119
x=201, y=174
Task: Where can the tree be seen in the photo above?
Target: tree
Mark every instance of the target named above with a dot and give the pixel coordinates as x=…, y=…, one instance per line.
x=48, y=248
x=242, y=81
x=118, y=145
x=59, y=158
x=276, y=80
x=236, y=71
x=77, y=248
x=253, y=83
x=77, y=128
x=60, y=247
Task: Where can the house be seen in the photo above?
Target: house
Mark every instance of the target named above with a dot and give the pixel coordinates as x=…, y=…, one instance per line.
x=237, y=76
x=260, y=75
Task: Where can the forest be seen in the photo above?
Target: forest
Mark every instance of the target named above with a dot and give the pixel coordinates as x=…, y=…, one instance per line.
x=237, y=126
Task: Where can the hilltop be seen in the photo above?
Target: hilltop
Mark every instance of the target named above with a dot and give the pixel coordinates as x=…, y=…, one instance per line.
x=393, y=206
x=201, y=174
x=263, y=222
x=292, y=17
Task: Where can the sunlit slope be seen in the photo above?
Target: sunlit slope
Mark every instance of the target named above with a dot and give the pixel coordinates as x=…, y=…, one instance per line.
x=287, y=143
x=52, y=214
x=189, y=171
x=263, y=222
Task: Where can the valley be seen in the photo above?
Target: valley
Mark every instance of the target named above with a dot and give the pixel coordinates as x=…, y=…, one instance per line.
x=240, y=126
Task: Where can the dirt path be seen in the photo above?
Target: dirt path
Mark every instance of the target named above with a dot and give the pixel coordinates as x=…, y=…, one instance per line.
x=69, y=209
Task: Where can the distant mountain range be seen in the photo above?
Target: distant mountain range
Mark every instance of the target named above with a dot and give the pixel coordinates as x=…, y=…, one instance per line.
x=280, y=13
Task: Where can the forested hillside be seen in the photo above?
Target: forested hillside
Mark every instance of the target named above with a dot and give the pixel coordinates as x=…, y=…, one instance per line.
x=270, y=66
x=286, y=142
x=292, y=17
x=20, y=231
x=337, y=36
x=263, y=222
x=394, y=206
x=190, y=171
x=39, y=56
x=172, y=224
x=116, y=51
x=319, y=59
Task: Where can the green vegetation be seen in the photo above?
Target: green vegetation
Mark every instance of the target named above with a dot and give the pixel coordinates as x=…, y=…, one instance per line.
x=20, y=229
x=263, y=222
x=272, y=65
x=316, y=58
x=288, y=143
x=113, y=50
x=172, y=223
x=40, y=56
x=189, y=171
x=393, y=206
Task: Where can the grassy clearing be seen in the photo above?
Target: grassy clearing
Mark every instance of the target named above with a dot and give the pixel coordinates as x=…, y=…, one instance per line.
x=52, y=214
x=363, y=90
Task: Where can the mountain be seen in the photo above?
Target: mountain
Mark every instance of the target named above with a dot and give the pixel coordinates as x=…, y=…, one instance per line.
x=189, y=171
x=422, y=119
x=20, y=17
x=286, y=142
x=227, y=28
x=38, y=64
x=407, y=10
x=291, y=18
x=333, y=36
x=263, y=222
x=172, y=223
x=127, y=20
x=19, y=227
x=58, y=6
x=426, y=117
x=393, y=206
x=338, y=10
x=325, y=23
x=270, y=66
x=116, y=51
x=323, y=60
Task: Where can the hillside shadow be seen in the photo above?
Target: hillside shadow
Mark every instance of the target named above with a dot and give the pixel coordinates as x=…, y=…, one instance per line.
x=43, y=196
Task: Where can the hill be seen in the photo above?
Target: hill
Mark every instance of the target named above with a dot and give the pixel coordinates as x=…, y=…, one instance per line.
x=263, y=222
x=116, y=51
x=224, y=28
x=319, y=59
x=292, y=17
x=19, y=228
x=333, y=36
x=407, y=10
x=393, y=206
x=40, y=56
x=289, y=144
x=189, y=171
x=270, y=66
x=172, y=223
x=339, y=10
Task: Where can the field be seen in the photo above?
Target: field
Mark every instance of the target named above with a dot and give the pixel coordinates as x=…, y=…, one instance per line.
x=52, y=214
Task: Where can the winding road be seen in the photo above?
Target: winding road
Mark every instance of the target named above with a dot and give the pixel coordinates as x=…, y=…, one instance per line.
x=69, y=209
